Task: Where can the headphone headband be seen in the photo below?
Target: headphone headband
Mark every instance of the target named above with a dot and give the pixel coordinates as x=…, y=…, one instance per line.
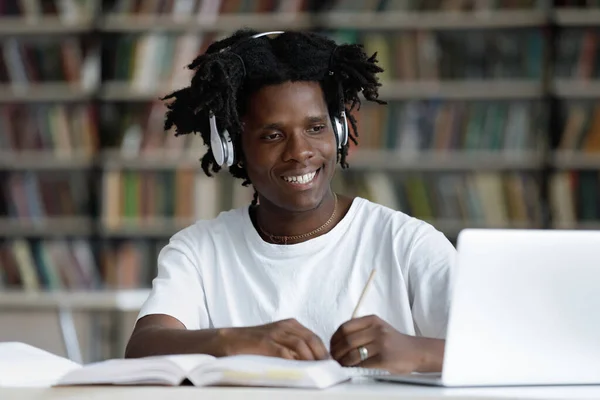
x=266, y=33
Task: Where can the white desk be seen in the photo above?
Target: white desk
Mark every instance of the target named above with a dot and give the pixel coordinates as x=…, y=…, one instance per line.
x=356, y=390
x=64, y=303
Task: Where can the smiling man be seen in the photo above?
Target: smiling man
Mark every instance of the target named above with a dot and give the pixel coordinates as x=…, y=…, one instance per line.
x=281, y=277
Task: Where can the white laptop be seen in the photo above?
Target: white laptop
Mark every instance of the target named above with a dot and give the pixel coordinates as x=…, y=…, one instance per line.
x=525, y=311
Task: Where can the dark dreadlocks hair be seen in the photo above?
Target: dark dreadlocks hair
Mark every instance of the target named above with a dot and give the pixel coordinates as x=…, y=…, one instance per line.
x=232, y=69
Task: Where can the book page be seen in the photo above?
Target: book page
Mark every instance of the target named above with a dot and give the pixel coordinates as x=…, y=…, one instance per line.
x=254, y=370
x=187, y=362
x=22, y=365
x=157, y=370
x=357, y=372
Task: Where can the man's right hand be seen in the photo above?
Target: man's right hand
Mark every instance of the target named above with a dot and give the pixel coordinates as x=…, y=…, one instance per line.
x=285, y=339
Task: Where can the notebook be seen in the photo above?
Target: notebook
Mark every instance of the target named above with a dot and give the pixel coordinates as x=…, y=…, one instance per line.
x=18, y=360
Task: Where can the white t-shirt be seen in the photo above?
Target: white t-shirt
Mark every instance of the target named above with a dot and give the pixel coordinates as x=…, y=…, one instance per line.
x=220, y=273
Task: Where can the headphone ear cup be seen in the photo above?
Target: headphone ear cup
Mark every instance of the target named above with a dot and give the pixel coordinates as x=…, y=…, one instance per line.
x=341, y=129
x=229, y=154
x=216, y=143
x=221, y=144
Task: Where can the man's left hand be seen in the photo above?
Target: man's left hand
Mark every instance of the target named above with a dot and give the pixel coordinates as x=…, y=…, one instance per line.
x=386, y=348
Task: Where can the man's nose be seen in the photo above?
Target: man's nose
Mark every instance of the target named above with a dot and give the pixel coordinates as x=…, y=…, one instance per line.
x=297, y=148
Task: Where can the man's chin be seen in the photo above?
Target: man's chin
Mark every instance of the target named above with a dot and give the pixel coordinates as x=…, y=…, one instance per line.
x=299, y=202
x=301, y=205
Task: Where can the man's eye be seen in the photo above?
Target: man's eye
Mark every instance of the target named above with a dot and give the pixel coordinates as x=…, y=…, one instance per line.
x=317, y=129
x=271, y=136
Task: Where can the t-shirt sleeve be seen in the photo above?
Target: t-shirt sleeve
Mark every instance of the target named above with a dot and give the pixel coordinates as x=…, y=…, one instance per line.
x=431, y=262
x=177, y=290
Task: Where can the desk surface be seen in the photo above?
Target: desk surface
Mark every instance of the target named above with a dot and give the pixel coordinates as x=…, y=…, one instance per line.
x=362, y=389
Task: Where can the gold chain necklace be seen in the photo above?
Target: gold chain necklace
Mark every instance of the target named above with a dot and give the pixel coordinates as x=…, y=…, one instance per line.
x=284, y=239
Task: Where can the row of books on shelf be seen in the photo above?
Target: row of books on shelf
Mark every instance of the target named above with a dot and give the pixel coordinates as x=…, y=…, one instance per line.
x=32, y=10
x=428, y=55
x=476, y=198
x=179, y=9
x=136, y=130
x=481, y=198
x=451, y=126
x=578, y=54
x=581, y=128
x=77, y=264
x=62, y=129
x=165, y=201
x=182, y=9
x=155, y=61
x=38, y=196
x=27, y=62
x=151, y=61
x=149, y=197
x=403, y=125
x=575, y=196
x=74, y=16
x=73, y=130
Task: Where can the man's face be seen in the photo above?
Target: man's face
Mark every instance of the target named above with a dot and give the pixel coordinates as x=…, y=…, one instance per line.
x=289, y=146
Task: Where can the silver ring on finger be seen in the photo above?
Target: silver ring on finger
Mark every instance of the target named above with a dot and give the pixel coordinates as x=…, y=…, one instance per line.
x=363, y=352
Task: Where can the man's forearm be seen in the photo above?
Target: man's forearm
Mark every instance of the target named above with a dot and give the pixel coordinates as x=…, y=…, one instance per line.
x=155, y=340
x=433, y=354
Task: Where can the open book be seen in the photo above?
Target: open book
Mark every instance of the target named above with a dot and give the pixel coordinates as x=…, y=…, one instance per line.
x=24, y=365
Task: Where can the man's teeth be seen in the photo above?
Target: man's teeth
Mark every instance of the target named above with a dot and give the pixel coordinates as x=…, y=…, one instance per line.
x=300, y=179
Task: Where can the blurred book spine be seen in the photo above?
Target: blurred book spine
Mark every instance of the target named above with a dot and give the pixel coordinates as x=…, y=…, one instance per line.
x=53, y=264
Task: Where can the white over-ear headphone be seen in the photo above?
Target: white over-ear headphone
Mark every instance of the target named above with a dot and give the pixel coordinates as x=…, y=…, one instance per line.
x=222, y=146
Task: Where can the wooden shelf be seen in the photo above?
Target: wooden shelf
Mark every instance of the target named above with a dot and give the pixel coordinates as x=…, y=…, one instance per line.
x=363, y=159
x=112, y=160
x=395, y=20
x=43, y=160
x=391, y=90
x=102, y=300
x=452, y=228
x=578, y=225
x=222, y=23
x=155, y=228
x=124, y=91
x=492, y=89
x=41, y=92
x=332, y=20
x=59, y=226
x=166, y=228
x=438, y=20
x=444, y=161
x=577, y=16
x=574, y=88
x=566, y=160
x=42, y=26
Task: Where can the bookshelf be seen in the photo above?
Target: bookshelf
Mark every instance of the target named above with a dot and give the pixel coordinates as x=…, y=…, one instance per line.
x=509, y=138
